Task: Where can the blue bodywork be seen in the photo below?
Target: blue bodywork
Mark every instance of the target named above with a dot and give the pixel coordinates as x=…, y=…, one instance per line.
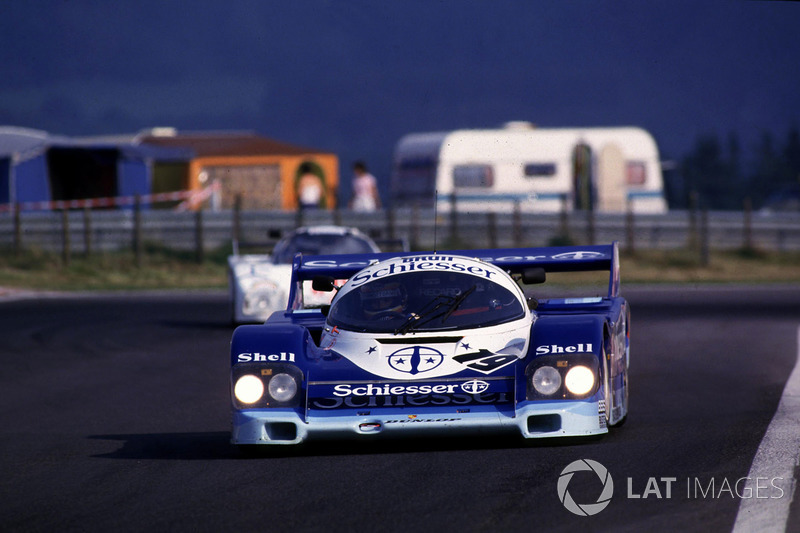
x=336, y=397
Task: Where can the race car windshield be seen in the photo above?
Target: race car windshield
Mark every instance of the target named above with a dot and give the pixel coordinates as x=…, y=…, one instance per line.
x=425, y=301
x=319, y=244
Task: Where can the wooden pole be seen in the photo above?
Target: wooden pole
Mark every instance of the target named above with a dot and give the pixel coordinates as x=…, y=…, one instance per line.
x=453, y=219
x=65, y=253
x=748, y=224
x=705, y=258
x=517, y=229
x=692, y=241
x=564, y=220
x=237, y=219
x=390, y=223
x=137, y=231
x=199, y=239
x=630, y=229
x=414, y=244
x=492, y=228
x=87, y=231
x=17, y=230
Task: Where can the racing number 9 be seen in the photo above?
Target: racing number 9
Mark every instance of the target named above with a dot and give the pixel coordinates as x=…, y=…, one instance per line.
x=484, y=360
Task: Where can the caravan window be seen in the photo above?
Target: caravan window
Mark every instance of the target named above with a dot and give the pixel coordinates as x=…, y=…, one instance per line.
x=637, y=173
x=473, y=176
x=540, y=170
x=414, y=182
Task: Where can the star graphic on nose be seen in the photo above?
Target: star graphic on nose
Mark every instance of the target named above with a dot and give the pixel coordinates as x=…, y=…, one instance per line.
x=430, y=360
x=371, y=349
x=401, y=361
x=465, y=345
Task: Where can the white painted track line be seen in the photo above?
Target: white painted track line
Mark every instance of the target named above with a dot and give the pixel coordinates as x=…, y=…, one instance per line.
x=767, y=510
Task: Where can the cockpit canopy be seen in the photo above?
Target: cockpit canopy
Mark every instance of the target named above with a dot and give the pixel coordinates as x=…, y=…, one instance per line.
x=321, y=240
x=435, y=293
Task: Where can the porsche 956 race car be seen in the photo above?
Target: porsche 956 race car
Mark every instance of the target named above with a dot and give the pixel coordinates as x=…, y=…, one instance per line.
x=420, y=343
x=259, y=283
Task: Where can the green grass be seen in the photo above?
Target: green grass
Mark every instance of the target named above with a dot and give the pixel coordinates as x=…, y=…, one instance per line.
x=158, y=269
x=164, y=269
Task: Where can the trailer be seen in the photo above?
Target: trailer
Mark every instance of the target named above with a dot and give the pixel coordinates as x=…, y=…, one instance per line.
x=534, y=169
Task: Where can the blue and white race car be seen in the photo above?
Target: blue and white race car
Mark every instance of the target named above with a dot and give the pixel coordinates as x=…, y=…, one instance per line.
x=420, y=343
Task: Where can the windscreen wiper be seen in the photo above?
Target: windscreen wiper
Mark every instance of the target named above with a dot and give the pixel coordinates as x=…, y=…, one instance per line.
x=458, y=301
x=413, y=319
x=416, y=320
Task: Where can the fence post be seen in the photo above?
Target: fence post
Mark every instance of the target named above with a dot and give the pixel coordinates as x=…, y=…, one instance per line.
x=390, y=219
x=630, y=229
x=704, y=244
x=414, y=244
x=17, y=230
x=492, y=228
x=748, y=225
x=237, y=219
x=65, y=251
x=691, y=241
x=87, y=231
x=564, y=237
x=137, y=231
x=453, y=219
x=517, y=229
x=199, y=244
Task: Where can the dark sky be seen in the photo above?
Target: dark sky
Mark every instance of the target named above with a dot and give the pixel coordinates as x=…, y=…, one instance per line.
x=354, y=76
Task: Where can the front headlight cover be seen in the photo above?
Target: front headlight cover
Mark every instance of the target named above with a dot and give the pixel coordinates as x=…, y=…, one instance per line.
x=579, y=380
x=248, y=389
x=546, y=380
x=282, y=387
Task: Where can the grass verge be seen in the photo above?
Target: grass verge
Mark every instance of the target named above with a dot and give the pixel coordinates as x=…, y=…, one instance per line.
x=164, y=269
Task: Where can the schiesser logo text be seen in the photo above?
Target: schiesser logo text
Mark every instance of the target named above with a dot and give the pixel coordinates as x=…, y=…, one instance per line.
x=386, y=390
x=256, y=357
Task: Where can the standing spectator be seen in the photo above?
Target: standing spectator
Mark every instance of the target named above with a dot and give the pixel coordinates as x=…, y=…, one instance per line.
x=365, y=189
x=309, y=188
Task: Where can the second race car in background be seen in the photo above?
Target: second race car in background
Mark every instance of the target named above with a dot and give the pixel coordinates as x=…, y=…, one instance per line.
x=259, y=283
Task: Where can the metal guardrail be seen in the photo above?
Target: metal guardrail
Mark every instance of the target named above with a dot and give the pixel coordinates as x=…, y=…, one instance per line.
x=85, y=231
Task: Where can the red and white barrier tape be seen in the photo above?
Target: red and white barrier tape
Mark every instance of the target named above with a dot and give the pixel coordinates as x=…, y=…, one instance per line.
x=189, y=199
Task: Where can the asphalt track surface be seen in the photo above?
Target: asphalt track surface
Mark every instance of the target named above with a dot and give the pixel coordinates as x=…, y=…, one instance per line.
x=114, y=413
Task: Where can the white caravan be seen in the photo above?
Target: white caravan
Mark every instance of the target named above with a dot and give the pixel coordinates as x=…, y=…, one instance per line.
x=539, y=169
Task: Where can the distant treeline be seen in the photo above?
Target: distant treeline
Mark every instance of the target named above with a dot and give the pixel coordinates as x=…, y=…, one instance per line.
x=717, y=175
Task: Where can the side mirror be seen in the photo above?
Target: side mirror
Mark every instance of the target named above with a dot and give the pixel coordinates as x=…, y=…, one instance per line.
x=323, y=283
x=532, y=276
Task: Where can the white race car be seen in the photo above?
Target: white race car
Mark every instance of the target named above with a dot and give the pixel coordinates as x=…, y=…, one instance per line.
x=260, y=283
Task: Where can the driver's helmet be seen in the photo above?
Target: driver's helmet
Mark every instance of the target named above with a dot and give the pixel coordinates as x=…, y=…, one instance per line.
x=383, y=297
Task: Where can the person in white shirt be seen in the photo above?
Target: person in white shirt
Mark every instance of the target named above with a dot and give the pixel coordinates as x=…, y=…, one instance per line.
x=365, y=189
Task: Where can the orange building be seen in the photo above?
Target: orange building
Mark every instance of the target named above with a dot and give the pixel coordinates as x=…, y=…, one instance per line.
x=265, y=173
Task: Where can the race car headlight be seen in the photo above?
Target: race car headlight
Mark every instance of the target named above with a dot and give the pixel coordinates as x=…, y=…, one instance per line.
x=248, y=389
x=546, y=380
x=282, y=387
x=579, y=380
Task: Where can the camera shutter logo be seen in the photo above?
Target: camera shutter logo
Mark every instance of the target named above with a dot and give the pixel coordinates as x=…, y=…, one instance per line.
x=585, y=509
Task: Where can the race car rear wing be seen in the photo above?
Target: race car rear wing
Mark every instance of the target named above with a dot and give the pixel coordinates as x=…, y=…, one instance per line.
x=512, y=260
